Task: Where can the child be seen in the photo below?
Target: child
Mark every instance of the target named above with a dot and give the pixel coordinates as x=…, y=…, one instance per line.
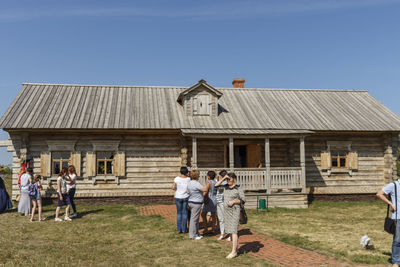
x=62, y=194
x=36, y=198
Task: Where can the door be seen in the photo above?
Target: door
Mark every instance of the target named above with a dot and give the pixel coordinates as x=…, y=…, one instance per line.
x=254, y=156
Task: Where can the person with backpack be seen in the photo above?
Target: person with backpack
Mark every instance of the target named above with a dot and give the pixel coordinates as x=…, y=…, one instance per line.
x=63, y=196
x=392, y=190
x=24, y=205
x=34, y=193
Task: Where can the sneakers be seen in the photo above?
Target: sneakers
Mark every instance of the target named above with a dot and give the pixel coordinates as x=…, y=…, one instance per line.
x=229, y=239
x=58, y=220
x=75, y=215
x=67, y=219
x=198, y=237
x=231, y=255
x=220, y=237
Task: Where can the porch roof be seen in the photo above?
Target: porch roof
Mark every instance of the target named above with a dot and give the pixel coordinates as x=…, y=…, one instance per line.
x=244, y=131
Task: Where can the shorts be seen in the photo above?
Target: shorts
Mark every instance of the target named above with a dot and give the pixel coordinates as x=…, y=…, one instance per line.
x=37, y=196
x=65, y=201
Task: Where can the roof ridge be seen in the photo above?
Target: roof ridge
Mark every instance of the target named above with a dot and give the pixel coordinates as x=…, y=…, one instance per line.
x=220, y=88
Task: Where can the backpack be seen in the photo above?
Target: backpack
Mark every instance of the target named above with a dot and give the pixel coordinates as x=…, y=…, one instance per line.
x=32, y=190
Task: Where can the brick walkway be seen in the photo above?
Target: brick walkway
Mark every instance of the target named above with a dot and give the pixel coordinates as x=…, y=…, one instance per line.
x=262, y=247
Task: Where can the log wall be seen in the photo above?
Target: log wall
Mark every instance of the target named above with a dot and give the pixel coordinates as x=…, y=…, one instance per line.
x=152, y=161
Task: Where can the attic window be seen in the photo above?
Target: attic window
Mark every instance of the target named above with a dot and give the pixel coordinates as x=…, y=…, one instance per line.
x=202, y=104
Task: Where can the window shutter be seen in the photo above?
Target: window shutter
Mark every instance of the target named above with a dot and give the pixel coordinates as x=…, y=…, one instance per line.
x=76, y=161
x=325, y=160
x=353, y=160
x=119, y=164
x=90, y=164
x=45, y=164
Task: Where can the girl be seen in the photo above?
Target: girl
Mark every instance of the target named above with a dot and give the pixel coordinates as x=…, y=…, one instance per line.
x=71, y=187
x=211, y=205
x=62, y=194
x=37, y=199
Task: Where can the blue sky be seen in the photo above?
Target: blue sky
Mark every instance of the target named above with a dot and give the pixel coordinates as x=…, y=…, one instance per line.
x=341, y=44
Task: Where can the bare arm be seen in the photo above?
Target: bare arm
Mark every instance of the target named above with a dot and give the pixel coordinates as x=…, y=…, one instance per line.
x=382, y=196
x=220, y=181
x=207, y=185
x=174, y=186
x=59, y=189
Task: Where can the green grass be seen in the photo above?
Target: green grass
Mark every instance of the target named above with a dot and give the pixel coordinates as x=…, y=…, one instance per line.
x=331, y=228
x=107, y=235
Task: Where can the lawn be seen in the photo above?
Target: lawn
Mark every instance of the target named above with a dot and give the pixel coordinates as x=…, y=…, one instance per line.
x=107, y=235
x=333, y=228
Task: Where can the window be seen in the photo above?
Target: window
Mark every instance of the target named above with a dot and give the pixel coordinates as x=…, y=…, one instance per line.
x=201, y=105
x=339, y=159
x=60, y=160
x=105, y=165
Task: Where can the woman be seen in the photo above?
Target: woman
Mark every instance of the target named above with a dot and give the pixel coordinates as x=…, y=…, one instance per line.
x=195, y=201
x=24, y=205
x=220, y=203
x=62, y=194
x=37, y=198
x=71, y=187
x=211, y=204
x=5, y=202
x=180, y=187
x=233, y=198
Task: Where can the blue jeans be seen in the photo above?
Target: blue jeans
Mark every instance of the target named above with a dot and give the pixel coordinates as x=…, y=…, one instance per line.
x=181, y=214
x=396, y=245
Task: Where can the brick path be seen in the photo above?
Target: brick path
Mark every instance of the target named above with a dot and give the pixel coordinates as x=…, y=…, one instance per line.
x=262, y=247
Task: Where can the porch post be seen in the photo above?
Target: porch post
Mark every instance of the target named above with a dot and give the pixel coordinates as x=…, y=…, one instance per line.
x=303, y=165
x=267, y=167
x=194, y=153
x=231, y=155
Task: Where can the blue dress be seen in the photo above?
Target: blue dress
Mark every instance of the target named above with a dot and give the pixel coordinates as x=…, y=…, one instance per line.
x=211, y=206
x=5, y=202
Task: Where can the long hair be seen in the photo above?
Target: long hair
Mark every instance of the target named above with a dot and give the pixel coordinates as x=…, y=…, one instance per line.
x=63, y=172
x=37, y=178
x=71, y=169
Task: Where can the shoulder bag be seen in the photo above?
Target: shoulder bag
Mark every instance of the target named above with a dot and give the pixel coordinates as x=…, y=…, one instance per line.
x=243, y=215
x=390, y=224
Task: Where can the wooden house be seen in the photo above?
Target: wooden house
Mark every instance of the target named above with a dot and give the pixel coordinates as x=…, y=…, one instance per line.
x=132, y=140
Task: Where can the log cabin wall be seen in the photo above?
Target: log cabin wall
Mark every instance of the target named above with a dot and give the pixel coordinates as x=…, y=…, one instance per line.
x=152, y=161
x=377, y=154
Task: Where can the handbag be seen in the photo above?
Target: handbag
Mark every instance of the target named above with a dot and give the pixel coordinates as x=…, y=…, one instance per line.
x=243, y=215
x=390, y=224
x=18, y=197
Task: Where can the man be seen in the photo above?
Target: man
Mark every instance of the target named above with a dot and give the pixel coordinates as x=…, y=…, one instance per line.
x=389, y=189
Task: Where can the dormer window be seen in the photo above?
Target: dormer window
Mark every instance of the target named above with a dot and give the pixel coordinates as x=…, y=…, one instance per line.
x=200, y=100
x=201, y=104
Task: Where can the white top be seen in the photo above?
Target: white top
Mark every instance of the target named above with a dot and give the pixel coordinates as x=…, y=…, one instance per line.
x=181, y=187
x=63, y=185
x=73, y=178
x=25, y=181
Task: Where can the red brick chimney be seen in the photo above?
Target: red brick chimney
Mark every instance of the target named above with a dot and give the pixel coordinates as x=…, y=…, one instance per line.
x=238, y=83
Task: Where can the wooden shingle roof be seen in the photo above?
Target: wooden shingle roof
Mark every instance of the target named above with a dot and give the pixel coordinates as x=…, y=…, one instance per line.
x=62, y=106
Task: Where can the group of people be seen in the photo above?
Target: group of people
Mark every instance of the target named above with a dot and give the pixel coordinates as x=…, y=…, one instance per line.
x=220, y=197
x=30, y=197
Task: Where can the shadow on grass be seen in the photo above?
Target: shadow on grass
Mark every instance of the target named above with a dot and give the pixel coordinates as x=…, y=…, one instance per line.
x=254, y=247
x=80, y=214
x=244, y=232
